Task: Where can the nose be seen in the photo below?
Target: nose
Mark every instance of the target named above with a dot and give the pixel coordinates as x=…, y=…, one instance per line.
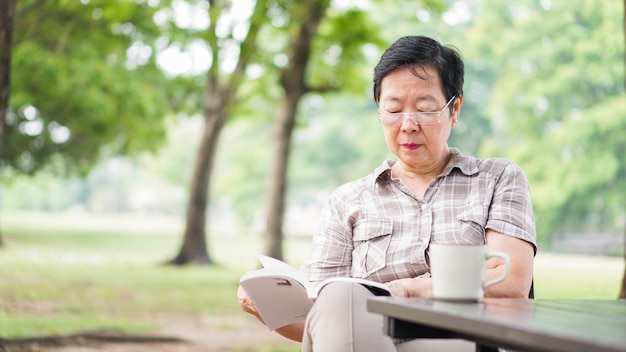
x=409, y=123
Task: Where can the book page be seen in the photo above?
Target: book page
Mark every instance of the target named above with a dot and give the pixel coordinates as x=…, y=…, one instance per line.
x=377, y=288
x=276, y=266
x=273, y=263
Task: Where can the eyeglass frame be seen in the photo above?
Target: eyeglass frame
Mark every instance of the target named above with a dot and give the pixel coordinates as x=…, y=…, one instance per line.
x=409, y=115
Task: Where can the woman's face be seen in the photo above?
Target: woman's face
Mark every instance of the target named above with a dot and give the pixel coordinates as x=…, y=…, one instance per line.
x=420, y=148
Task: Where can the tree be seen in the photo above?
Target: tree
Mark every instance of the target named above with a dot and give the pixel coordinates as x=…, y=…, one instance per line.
x=303, y=19
x=7, y=11
x=84, y=78
x=244, y=97
x=294, y=87
x=622, y=293
x=219, y=98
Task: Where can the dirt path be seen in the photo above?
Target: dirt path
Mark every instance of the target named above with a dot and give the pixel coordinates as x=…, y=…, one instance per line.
x=194, y=333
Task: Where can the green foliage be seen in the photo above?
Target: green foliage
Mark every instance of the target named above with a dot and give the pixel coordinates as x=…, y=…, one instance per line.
x=558, y=109
x=173, y=162
x=341, y=142
x=340, y=61
x=26, y=193
x=337, y=61
x=244, y=187
x=83, y=77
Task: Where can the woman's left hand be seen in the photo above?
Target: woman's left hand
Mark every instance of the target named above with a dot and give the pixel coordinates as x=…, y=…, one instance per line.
x=413, y=287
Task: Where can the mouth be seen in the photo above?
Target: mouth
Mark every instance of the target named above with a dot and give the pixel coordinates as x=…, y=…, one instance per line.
x=411, y=146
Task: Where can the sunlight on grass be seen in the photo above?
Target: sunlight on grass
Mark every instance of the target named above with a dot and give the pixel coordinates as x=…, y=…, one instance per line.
x=577, y=276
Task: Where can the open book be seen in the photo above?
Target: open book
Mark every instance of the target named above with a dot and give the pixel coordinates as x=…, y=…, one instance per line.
x=283, y=295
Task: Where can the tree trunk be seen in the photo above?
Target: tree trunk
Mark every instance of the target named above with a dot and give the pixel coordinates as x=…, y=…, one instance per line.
x=294, y=86
x=7, y=13
x=622, y=293
x=219, y=96
x=277, y=176
x=194, y=247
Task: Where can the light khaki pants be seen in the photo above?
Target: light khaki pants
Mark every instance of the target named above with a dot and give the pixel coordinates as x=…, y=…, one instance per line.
x=339, y=322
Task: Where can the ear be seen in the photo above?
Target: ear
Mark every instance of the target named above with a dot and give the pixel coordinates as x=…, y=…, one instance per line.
x=456, y=109
x=457, y=106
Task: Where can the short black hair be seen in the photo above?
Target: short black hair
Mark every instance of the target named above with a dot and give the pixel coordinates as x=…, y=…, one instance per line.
x=420, y=51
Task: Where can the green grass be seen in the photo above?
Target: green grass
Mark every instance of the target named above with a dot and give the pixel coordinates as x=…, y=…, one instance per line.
x=577, y=276
x=62, y=273
x=48, y=289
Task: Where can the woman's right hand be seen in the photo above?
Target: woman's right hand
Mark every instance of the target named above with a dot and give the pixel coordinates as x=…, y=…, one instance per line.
x=293, y=331
x=246, y=304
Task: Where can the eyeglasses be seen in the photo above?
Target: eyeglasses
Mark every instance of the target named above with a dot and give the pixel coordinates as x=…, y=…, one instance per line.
x=417, y=117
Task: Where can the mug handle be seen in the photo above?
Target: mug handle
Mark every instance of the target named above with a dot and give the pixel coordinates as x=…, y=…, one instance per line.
x=507, y=268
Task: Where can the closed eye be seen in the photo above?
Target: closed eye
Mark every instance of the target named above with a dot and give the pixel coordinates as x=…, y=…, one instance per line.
x=427, y=110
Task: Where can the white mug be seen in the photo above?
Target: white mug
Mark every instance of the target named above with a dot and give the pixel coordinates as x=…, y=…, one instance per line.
x=458, y=271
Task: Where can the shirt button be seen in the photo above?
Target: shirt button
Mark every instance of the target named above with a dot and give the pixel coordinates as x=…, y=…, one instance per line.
x=424, y=206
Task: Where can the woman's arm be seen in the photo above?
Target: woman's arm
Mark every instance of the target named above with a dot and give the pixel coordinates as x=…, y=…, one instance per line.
x=516, y=285
x=293, y=331
x=521, y=254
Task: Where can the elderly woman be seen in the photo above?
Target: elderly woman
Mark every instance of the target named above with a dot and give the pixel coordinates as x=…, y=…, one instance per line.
x=379, y=227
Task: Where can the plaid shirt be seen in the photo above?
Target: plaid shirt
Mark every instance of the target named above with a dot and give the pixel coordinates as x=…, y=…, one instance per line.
x=375, y=228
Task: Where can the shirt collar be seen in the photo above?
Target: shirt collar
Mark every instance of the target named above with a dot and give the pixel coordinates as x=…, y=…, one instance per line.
x=467, y=165
x=382, y=174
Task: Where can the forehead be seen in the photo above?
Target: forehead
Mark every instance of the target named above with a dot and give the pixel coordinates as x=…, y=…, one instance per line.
x=415, y=81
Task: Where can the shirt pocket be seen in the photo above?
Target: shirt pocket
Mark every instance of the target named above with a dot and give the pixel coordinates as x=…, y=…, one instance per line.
x=371, y=238
x=472, y=225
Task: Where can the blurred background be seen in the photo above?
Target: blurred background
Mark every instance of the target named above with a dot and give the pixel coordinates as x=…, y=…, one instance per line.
x=206, y=120
x=107, y=119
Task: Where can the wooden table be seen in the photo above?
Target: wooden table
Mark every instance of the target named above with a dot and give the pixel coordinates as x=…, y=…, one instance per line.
x=521, y=324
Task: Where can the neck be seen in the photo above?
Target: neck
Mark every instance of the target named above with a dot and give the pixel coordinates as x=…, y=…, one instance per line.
x=409, y=173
